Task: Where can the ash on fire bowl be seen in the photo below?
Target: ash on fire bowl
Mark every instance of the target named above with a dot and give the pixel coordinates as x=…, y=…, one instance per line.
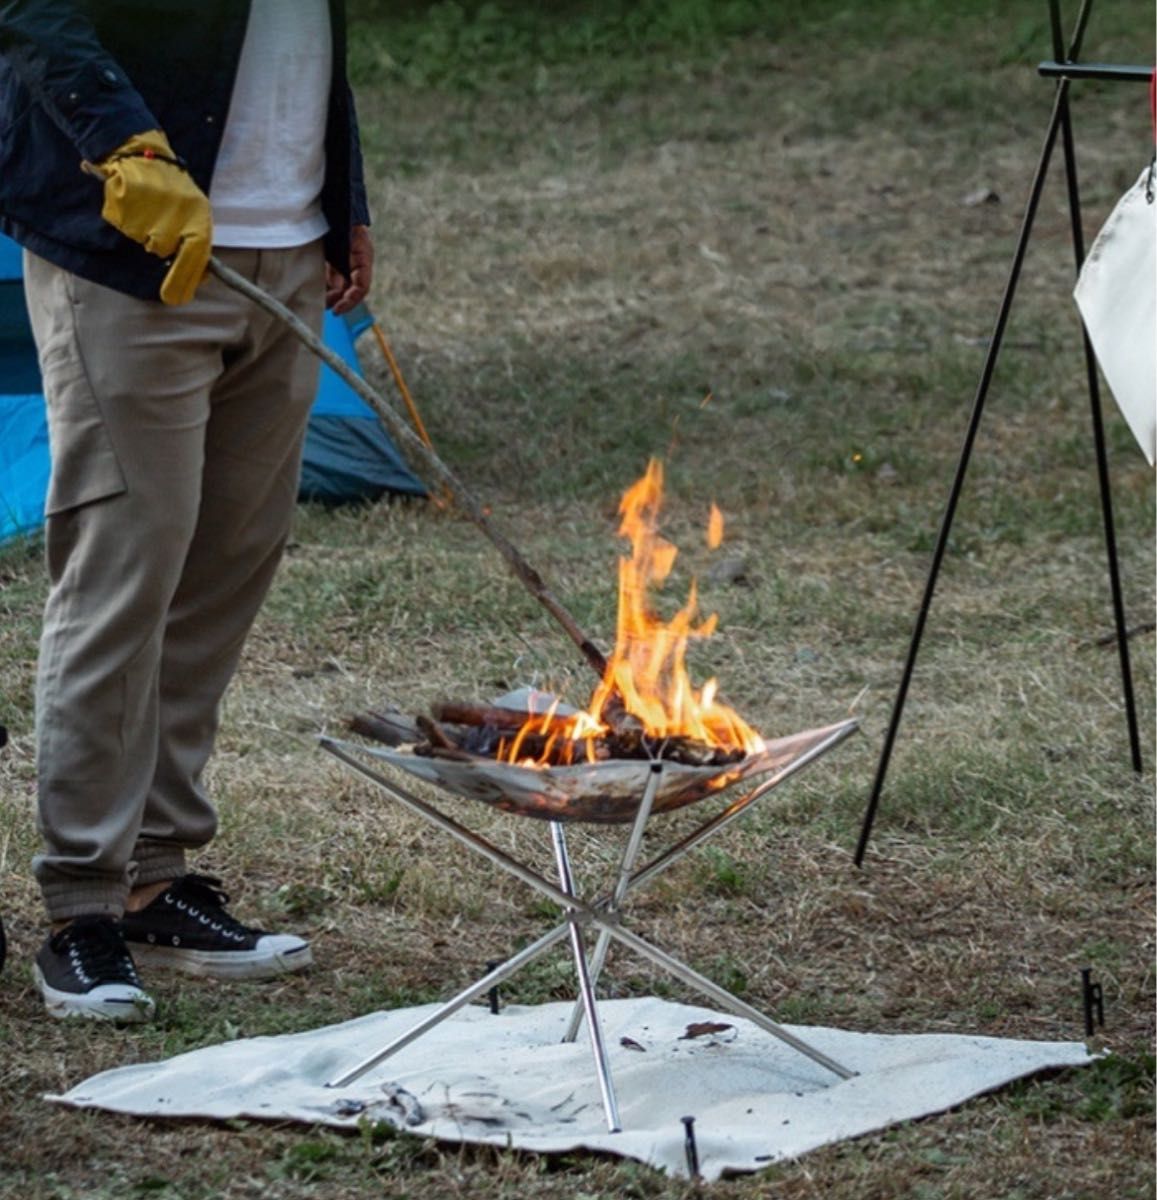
x=607, y=792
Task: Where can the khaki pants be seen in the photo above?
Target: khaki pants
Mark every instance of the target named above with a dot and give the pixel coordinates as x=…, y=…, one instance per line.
x=176, y=440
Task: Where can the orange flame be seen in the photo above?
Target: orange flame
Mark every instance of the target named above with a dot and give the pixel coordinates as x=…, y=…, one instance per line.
x=647, y=672
x=715, y=528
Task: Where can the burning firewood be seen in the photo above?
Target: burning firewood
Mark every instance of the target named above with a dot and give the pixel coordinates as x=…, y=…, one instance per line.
x=392, y=727
x=435, y=735
x=645, y=706
x=466, y=731
x=490, y=733
x=494, y=716
x=439, y=743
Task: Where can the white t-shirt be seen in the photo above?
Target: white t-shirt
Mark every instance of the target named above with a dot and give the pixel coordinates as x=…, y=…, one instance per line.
x=266, y=189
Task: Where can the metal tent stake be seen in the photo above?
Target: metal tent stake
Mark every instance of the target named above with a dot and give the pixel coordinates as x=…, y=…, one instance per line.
x=1065, y=70
x=1092, y=1001
x=690, y=1150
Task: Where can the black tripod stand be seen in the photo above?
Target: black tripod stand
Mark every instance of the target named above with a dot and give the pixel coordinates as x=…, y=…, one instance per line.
x=1064, y=68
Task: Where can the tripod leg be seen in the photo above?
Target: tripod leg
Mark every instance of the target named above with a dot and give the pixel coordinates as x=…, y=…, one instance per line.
x=986, y=374
x=725, y=999
x=586, y=988
x=1060, y=108
x=626, y=866
x=1099, y=448
x=476, y=989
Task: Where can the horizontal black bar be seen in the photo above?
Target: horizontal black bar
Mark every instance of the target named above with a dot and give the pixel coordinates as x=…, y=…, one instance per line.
x=1069, y=70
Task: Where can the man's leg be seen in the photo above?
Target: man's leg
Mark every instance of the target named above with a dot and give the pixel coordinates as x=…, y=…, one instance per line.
x=253, y=441
x=127, y=384
x=259, y=409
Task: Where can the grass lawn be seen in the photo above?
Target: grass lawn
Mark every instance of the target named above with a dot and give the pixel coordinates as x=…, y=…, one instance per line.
x=750, y=239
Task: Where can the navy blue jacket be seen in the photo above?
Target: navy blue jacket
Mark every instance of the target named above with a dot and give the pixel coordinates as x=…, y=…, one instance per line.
x=79, y=77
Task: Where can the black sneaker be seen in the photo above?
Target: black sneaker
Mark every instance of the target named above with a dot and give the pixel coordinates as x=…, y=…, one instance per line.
x=186, y=927
x=86, y=970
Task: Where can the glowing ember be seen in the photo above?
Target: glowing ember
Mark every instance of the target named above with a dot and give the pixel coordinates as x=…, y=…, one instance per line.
x=646, y=674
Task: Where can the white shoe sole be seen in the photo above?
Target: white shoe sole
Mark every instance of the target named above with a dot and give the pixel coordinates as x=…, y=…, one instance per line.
x=120, y=1003
x=262, y=963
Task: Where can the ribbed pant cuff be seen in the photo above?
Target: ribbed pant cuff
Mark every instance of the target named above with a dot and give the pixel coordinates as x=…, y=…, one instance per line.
x=157, y=862
x=84, y=897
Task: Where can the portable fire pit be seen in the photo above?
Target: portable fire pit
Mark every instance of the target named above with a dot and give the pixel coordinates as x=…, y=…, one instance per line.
x=648, y=742
x=599, y=793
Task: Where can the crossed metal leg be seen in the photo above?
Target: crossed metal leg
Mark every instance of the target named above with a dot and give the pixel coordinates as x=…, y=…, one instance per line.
x=602, y=914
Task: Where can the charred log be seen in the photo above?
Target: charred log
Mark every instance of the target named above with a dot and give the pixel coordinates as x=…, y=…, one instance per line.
x=493, y=716
x=392, y=727
x=466, y=732
x=435, y=734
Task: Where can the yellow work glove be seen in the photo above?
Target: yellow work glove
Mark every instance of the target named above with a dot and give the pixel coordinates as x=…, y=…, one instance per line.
x=150, y=197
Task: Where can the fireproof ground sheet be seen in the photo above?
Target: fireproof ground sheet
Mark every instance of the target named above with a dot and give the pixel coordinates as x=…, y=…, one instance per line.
x=509, y=1080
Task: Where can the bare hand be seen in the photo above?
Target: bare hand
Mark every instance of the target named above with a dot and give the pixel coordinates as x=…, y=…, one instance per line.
x=342, y=294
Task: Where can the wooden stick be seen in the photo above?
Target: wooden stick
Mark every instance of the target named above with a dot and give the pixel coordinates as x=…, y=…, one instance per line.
x=435, y=734
x=394, y=729
x=400, y=382
x=435, y=468
x=411, y=408
x=463, y=712
x=1110, y=639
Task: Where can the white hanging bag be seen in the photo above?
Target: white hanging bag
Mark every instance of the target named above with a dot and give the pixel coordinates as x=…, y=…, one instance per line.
x=1116, y=293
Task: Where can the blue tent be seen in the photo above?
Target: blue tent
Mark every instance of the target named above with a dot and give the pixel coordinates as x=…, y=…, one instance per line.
x=23, y=434
x=348, y=454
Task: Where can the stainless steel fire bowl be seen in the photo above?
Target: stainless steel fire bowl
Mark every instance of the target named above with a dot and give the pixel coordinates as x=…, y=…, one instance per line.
x=602, y=792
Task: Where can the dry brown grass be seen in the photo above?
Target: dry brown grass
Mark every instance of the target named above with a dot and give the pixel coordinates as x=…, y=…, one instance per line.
x=564, y=279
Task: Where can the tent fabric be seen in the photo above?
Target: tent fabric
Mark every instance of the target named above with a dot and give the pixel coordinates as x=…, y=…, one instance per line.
x=23, y=433
x=352, y=458
x=349, y=456
x=24, y=463
x=10, y=255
